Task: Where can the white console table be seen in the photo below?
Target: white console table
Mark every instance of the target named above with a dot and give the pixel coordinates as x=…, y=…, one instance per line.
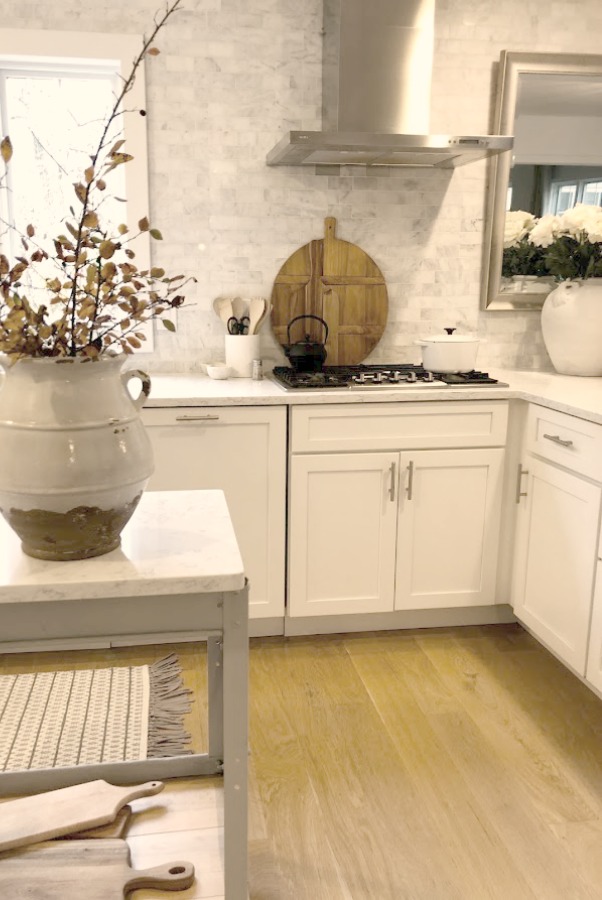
x=178, y=575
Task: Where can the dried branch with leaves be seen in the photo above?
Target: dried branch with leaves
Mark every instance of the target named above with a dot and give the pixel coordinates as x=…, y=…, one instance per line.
x=98, y=298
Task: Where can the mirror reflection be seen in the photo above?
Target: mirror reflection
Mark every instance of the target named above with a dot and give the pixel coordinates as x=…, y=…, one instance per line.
x=552, y=103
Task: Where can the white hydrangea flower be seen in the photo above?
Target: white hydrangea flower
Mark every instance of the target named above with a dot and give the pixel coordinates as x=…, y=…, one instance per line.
x=579, y=257
x=594, y=232
x=517, y=224
x=592, y=225
x=545, y=231
x=581, y=218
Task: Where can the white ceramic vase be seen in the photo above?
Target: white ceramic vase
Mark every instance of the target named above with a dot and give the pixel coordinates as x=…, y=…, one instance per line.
x=74, y=454
x=571, y=323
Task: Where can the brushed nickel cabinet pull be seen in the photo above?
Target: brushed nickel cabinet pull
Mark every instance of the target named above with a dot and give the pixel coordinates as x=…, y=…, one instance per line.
x=207, y=418
x=519, y=476
x=392, y=473
x=558, y=440
x=410, y=486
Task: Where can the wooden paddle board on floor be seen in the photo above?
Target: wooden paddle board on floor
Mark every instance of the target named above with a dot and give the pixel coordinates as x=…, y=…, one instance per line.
x=83, y=870
x=115, y=829
x=337, y=281
x=65, y=811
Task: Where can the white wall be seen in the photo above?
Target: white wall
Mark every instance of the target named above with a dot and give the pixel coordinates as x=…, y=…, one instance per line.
x=232, y=76
x=557, y=140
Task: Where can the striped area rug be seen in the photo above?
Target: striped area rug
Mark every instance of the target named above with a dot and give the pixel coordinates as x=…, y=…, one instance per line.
x=52, y=719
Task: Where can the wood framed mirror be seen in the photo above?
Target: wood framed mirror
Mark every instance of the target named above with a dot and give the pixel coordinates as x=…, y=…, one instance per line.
x=552, y=104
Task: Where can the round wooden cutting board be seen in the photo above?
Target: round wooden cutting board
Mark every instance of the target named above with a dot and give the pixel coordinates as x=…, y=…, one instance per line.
x=339, y=282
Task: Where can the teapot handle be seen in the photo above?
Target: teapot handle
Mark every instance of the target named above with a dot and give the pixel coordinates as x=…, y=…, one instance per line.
x=308, y=316
x=126, y=377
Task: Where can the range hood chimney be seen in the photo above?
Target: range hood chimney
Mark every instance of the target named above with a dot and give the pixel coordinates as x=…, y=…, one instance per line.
x=376, y=87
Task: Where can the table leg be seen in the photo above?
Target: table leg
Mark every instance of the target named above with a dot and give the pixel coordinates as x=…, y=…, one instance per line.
x=235, y=680
x=215, y=691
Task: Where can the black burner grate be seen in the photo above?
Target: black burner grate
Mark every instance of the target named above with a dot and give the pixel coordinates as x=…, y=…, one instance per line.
x=338, y=376
x=468, y=378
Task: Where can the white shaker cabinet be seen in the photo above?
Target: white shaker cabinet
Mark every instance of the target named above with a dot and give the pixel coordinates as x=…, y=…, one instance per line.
x=379, y=523
x=594, y=657
x=242, y=451
x=449, y=518
x=557, y=532
x=342, y=533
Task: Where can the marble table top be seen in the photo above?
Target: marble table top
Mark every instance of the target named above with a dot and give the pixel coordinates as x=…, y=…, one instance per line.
x=177, y=542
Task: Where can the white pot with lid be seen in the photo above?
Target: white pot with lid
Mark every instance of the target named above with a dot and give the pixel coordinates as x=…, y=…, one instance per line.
x=449, y=353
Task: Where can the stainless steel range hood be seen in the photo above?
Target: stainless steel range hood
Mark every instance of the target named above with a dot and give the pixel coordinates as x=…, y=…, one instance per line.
x=376, y=86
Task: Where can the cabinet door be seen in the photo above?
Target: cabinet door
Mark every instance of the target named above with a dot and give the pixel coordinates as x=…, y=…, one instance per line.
x=555, y=558
x=449, y=519
x=343, y=515
x=241, y=451
x=594, y=656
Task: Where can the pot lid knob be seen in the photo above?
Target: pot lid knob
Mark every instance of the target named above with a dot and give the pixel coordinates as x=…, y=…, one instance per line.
x=449, y=330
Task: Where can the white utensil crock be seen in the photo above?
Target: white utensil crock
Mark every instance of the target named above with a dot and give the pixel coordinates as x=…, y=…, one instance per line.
x=74, y=454
x=241, y=350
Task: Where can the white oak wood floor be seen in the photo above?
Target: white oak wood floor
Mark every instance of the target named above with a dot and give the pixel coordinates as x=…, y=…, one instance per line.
x=446, y=764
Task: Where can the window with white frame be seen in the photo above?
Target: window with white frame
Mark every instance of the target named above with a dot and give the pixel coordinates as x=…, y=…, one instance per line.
x=54, y=105
x=565, y=194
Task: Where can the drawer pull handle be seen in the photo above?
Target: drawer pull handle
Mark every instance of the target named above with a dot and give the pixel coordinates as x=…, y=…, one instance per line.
x=207, y=418
x=410, y=487
x=520, y=474
x=558, y=440
x=392, y=473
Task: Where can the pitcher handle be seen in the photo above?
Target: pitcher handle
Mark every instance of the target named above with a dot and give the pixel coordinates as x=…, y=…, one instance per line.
x=145, y=381
x=561, y=294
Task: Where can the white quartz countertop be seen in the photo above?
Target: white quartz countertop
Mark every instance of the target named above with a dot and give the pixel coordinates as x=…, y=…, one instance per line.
x=577, y=396
x=177, y=542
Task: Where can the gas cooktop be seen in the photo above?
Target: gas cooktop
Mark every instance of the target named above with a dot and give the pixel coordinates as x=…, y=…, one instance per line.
x=379, y=376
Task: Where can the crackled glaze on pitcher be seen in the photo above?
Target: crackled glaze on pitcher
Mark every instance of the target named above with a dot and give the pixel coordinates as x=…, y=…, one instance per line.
x=571, y=324
x=74, y=454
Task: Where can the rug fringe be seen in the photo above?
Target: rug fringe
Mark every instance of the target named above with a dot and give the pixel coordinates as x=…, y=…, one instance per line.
x=170, y=701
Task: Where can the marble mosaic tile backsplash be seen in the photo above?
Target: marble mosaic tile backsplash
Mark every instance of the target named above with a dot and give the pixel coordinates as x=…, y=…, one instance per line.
x=232, y=77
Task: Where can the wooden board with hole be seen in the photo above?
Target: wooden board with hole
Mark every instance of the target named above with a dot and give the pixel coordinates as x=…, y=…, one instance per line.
x=337, y=281
x=83, y=870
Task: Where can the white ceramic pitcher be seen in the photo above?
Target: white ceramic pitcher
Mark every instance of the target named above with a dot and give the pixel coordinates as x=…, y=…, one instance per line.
x=571, y=324
x=74, y=454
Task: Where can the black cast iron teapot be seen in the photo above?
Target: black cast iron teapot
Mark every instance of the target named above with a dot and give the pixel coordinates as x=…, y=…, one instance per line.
x=306, y=355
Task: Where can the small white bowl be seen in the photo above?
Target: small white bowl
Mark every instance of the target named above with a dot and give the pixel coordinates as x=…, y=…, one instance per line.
x=218, y=371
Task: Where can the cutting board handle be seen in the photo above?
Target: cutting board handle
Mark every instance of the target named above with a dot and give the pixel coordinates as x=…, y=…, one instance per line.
x=330, y=226
x=174, y=876
x=125, y=794
x=116, y=796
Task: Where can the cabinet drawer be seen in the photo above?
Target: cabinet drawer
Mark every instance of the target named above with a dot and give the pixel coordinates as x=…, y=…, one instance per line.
x=566, y=440
x=399, y=426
